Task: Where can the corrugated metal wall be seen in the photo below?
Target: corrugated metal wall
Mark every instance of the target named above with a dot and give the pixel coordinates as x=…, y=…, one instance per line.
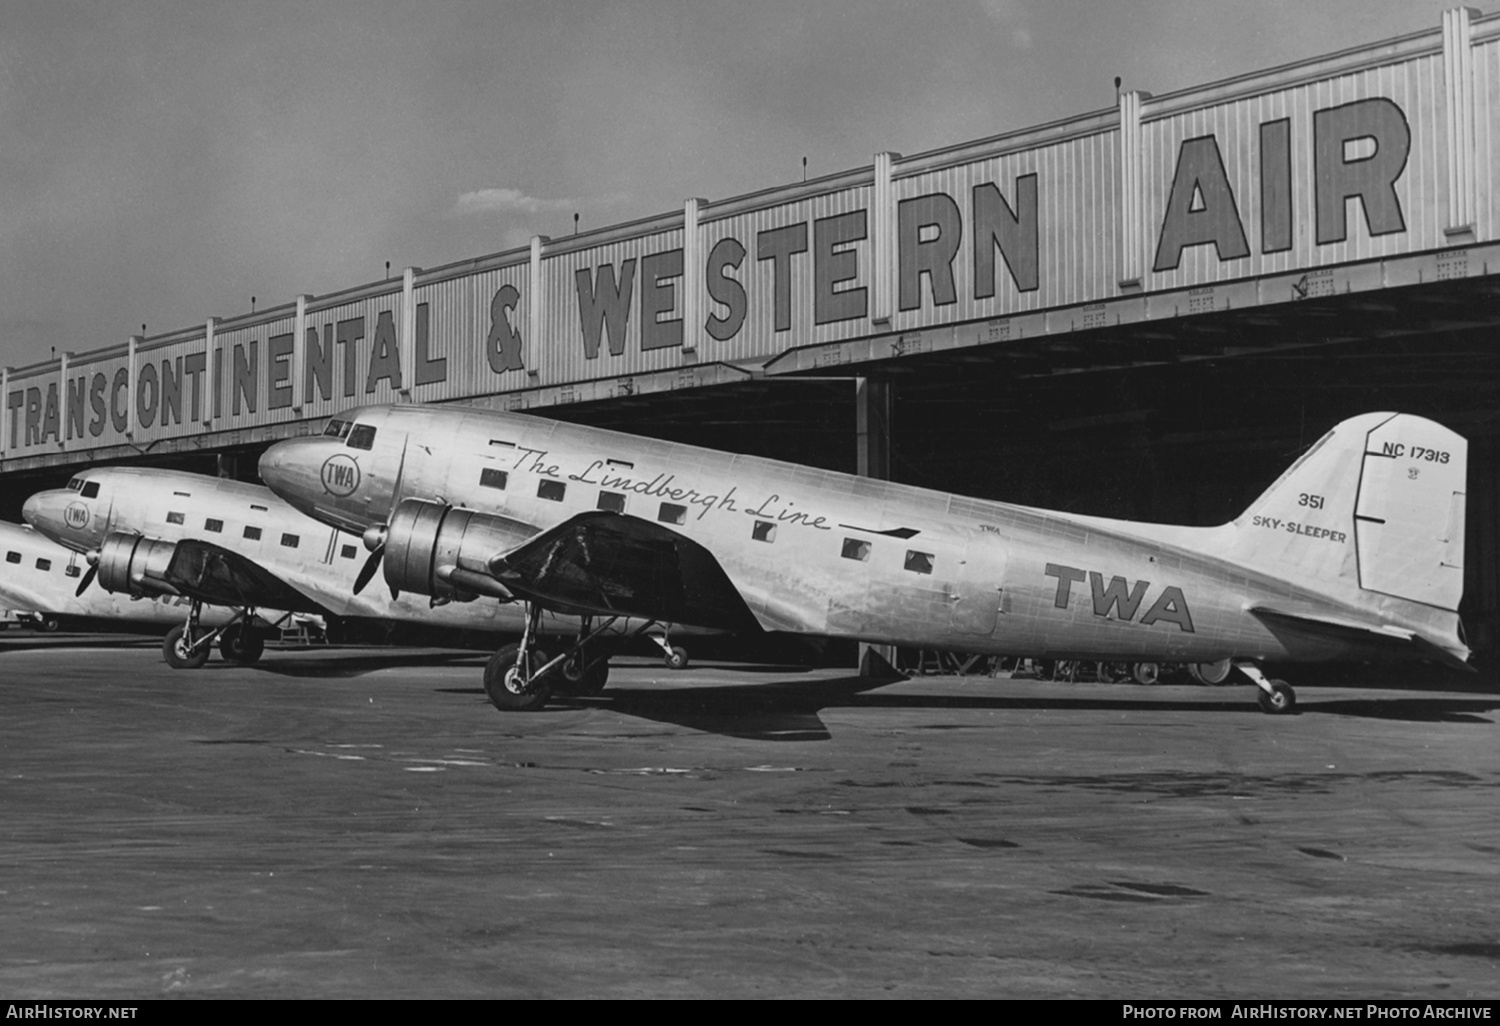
x=1267, y=174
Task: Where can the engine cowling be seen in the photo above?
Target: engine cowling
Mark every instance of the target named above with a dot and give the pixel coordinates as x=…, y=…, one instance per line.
x=444, y=551
x=135, y=565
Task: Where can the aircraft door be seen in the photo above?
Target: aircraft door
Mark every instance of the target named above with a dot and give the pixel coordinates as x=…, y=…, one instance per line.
x=977, y=598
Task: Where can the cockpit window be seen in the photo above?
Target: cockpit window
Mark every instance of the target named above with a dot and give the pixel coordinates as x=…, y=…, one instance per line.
x=75, y=484
x=90, y=489
x=337, y=428
x=361, y=437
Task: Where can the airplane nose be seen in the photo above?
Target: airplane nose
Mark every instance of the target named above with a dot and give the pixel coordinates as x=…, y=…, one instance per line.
x=291, y=470
x=30, y=510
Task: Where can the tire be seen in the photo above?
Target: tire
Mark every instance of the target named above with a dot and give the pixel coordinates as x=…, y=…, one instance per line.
x=1211, y=673
x=240, y=644
x=503, y=688
x=581, y=677
x=48, y=624
x=177, y=654
x=1280, y=702
x=677, y=659
x=1146, y=673
x=1111, y=673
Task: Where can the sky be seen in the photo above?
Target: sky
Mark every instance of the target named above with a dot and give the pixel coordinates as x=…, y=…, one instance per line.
x=163, y=162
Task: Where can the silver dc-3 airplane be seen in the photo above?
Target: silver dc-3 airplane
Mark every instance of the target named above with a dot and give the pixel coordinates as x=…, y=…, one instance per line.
x=1356, y=552
x=218, y=544
x=41, y=577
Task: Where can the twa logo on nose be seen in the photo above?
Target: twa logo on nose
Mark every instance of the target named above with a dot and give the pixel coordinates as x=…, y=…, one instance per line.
x=76, y=515
x=340, y=475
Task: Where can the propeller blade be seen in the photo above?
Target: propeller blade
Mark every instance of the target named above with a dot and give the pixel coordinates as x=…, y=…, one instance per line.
x=367, y=572
x=88, y=579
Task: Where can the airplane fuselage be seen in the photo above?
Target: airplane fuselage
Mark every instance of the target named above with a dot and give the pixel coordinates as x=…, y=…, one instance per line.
x=822, y=553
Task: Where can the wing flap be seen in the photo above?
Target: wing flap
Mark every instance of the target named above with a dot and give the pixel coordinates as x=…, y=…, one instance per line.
x=609, y=564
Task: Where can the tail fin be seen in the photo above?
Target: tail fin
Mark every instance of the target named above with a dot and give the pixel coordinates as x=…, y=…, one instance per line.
x=1377, y=505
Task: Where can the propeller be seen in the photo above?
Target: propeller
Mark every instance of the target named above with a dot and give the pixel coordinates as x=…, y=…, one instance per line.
x=92, y=558
x=374, y=539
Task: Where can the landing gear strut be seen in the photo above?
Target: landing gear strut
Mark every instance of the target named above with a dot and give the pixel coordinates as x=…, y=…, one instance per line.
x=187, y=647
x=1274, y=696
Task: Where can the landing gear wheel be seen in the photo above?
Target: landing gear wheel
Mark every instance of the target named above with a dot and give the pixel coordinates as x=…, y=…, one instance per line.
x=1280, y=701
x=1210, y=673
x=677, y=659
x=582, y=675
x=48, y=624
x=240, y=644
x=177, y=653
x=1146, y=673
x=504, y=686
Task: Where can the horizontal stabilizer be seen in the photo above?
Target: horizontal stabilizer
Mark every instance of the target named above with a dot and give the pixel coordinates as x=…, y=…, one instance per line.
x=609, y=564
x=1346, y=631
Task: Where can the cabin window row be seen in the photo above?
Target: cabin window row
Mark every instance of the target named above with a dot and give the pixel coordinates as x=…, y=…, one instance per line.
x=859, y=549
x=42, y=563
x=213, y=525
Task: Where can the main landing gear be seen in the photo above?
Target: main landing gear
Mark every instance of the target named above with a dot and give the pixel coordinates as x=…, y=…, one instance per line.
x=522, y=676
x=1275, y=696
x=187, y=647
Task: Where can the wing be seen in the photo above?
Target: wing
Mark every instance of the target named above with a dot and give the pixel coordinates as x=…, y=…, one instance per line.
x=219, y=577
x=610, y=564
x=1352, y=632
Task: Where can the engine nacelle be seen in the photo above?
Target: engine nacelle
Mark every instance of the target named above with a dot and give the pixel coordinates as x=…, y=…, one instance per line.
x=444, y=551
x=135, y=565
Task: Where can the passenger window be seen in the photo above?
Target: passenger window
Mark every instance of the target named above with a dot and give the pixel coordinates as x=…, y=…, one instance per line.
x=764, y=531
x=551, y=490
x=612, y=501
x=12, y=557
x=252, y=533
x=175, y=518
x=216, y=526
x=671, y=513
x=856, y=548
x=43, y=564
x=361, y=436
x=290, y=541
x=348, y=552
x=918, y=562
x=90, y=489
x=489, y=477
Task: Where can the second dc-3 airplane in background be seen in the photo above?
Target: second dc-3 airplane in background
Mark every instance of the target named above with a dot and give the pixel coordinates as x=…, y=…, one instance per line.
x=1356, y=552
x=217, y=545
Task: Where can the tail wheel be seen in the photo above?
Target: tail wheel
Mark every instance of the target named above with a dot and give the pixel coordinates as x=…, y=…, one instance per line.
x=1146, y=673
x=503, y=681
x=677, y=659
x=240, y=644
x=180, y=655
x=48, y=624
x=1279, y=701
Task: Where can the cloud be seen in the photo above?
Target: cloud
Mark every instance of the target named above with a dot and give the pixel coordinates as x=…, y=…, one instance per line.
x=514, y=201
x=1010, y=14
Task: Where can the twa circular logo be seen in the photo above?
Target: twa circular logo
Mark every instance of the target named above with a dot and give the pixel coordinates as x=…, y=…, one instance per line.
x=76, y=515
x=340, y=475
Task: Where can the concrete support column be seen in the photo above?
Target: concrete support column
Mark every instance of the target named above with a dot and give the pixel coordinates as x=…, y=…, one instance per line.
x=132, y=392
x=299, y=354
x=210, y=373
x=5, y=439
x=872, y=417
x=408, y=341
x=62, y=401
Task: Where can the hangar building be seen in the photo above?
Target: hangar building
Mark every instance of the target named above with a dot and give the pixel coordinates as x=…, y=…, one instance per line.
x=1146, y=311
